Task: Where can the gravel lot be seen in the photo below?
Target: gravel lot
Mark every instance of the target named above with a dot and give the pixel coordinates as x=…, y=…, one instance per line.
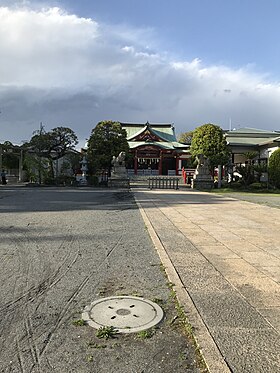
x=61, y=249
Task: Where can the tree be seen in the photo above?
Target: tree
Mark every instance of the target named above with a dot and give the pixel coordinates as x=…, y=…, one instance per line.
x=35, y=167
x=186, y=137
x=107, y=139
x=274, y=168
x=10, y=155
x=51, y=145
x=259, y=170
x=247, y=171
x=209, y=140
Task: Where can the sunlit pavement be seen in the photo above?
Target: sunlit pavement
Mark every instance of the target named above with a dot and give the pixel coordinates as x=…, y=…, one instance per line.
x=226, y=253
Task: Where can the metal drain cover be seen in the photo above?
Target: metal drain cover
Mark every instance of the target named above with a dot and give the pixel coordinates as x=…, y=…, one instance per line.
x=126, y=313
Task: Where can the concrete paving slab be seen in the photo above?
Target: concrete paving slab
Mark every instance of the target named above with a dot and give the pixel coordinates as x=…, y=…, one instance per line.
x=272, y=315
x=259, y=291
x=236, y=267
x=227, y=309
x=271, y=271
x=214, y=360
x=201, y=277
x=261, y=258
x=240, y=247
x=218, y=251
x=236, y=298
x=249, y=350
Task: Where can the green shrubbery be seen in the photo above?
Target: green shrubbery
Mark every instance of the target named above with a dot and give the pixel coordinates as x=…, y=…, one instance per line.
x=60, y=180
x=65, y=180
x=93, y=180
x=274, y=168
x=236, y=185
x=258, y=186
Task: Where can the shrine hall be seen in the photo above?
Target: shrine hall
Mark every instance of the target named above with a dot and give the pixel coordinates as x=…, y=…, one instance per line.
x=154, y=149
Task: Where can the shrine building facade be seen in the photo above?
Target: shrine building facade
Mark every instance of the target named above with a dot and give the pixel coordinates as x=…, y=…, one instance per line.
x=154, y=149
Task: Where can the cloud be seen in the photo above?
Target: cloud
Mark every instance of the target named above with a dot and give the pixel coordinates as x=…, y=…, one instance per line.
x=63, y=69
x=44, y=48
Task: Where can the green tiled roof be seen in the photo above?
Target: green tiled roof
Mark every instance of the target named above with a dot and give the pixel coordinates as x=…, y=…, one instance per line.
x=161, y=144
x=132, y=131
x=164, y=131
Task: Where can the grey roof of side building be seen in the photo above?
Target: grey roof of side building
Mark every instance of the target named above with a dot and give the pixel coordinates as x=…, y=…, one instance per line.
x=251, y=137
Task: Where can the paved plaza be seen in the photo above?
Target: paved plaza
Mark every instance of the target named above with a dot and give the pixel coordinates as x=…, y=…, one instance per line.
x=226, y=255
x=62, y=248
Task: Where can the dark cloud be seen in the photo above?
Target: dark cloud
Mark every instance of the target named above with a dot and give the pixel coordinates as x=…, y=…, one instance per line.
x=60, y=69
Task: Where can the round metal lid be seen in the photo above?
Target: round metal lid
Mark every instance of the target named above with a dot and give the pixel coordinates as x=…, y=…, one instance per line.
x=127, y=314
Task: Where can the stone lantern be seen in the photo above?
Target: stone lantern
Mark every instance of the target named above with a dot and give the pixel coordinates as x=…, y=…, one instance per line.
x=84, y=169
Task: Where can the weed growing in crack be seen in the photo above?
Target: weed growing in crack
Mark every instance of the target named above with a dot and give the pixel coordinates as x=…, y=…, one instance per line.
x=158, y=301
x=146, y=334
x=106, y=332
x=184, y=322
x=162, y=268
x=170, y=285
x=79, y=322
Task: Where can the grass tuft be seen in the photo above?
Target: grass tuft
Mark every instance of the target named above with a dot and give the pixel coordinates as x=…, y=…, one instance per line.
x=106, y=332
x=79, y=322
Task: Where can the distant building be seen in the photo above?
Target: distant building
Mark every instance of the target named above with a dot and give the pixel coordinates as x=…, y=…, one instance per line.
x=154, y=149
x=245, y=140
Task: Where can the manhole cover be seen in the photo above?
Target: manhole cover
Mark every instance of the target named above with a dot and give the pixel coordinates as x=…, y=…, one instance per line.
x=127, y=314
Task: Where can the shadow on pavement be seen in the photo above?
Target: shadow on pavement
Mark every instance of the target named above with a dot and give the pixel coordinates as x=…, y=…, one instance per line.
x=26, y=199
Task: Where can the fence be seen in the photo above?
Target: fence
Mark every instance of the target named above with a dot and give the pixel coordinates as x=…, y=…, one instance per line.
x=143, y=172
x=163, y=182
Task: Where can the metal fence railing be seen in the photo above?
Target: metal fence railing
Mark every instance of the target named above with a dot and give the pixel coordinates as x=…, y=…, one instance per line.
x=163, y=182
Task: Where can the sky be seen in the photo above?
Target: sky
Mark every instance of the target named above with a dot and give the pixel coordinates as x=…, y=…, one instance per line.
x=187, y=62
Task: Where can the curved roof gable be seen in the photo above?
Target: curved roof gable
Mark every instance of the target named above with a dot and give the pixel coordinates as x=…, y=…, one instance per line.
x=164, y=132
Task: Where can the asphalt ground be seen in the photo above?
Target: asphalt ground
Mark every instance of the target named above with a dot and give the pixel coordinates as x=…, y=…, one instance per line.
x=225, y=253
x=61, y=249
